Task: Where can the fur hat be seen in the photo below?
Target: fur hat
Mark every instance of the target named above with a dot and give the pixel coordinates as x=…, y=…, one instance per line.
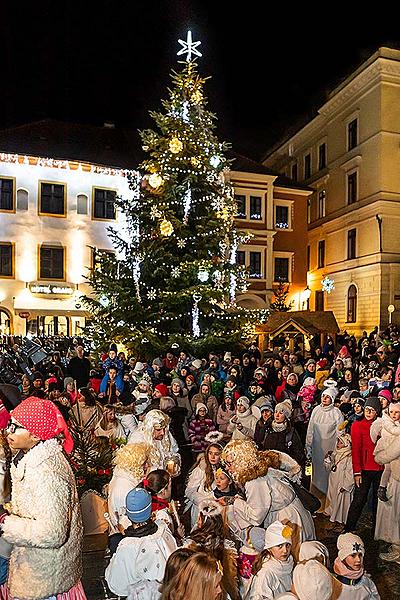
x=312, y=580
x=284, y=407
x=138, y=505
x=277, y=533
x=243, y=401
x=210, y=508
x=374, y=402
x=349, y=543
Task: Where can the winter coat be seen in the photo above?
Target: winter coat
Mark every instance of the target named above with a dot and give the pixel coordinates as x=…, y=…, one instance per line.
x=363, y=448
x=223, y=418
x=44, y=526
x=198, y=429
x=387, y=449
x=195, y=491
x=248, y=421
x=287, y=441
x=210, y=401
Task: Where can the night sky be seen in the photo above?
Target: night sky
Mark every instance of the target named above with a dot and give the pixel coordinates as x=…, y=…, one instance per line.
x=110, y=60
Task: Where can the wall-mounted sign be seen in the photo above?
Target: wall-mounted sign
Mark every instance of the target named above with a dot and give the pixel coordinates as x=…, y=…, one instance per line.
x=24, y=315
x=51, y=289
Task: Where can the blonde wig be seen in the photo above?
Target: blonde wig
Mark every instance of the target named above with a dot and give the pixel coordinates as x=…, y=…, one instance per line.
x=133, y=458
x=247, y=462
x=156, y=419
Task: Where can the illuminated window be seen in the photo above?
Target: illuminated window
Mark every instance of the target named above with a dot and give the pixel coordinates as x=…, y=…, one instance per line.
x=281, y=270
x=255, y=208
x=255, y=265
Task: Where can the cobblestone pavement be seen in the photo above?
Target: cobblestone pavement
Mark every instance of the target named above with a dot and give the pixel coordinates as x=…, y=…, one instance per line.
x=386, y=575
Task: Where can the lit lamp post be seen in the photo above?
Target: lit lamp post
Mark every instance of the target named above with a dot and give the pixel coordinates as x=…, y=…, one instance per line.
x=306, y=296
x=390, y=311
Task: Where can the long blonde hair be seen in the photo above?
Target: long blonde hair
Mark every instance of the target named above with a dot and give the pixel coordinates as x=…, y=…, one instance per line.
x=196, y=580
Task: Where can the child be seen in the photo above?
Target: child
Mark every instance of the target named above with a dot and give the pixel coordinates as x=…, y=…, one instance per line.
x=263, y=424
x=243, y=424
x=225, y=489
x=349, y=570
x=273, y=568
x=311, y=580
x=198, y=579
x=158, y=483
x=341, y=481
x=174, y=564
x=199, y=426
x=143, y=551
x=225, y=412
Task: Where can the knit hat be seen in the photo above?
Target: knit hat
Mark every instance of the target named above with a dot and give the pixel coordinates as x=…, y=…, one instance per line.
x=310, y=361
x=277, y=533
x=42, y=419
x=158, y=362
x=344, y=437
x=231, y=378
x=139, y=366
x=162, y=388
x=386, y=394
x=284, y=407
x=243, y=401
x=257, y=538
x=359, y=401
x=322, y=363
x=331, y=392
x=266, y=405
x=349, y=543
x=373, y=402
x=200, y=405
x=37, y=375
x=178, y=381
x=313, y=549
x=144, y=382
x=68, y=380
x=138, y=505
x=312, y=580
x=228, y=356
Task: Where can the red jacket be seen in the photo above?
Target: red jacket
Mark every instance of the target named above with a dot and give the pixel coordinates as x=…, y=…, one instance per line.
x=363, y=447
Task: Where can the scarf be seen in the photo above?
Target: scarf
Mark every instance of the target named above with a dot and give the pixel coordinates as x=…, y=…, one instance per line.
x=246, y=413
x=158, y=503
x=279, y=426
x=340, y=455
x=144, y=530
x=341, y=569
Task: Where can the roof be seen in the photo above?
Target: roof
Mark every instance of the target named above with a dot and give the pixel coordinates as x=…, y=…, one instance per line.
x=311, y=321
x=49, y=138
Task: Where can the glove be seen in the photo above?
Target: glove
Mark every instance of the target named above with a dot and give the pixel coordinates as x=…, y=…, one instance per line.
x=382, y=494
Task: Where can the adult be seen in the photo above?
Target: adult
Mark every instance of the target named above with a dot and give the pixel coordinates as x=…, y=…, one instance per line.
x=154, y=430
x=321, y=438
x=44, y=523
x=87, y=412
x=243, y=425
x=79, y=368
x=265, y=477
x=282, y=436
x=201, y=479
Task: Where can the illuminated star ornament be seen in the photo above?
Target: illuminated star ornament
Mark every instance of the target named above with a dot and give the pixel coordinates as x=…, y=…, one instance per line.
x=189, y=47
x=328, y=285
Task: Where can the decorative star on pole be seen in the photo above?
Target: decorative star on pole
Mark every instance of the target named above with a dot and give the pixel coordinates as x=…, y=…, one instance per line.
x=189, y=47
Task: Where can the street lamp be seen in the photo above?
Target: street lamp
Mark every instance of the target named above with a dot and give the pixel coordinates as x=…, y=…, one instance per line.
x=390, y=311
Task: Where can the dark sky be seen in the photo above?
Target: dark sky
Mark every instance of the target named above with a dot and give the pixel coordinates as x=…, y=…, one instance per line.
x=110, y=60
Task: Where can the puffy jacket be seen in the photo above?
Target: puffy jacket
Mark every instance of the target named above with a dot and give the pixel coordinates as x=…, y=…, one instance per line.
x=363, y=447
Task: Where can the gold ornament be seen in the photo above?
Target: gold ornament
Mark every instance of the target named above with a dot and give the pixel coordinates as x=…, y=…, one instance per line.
x=195, y=161
x=166, y=228
x=175, y=145
x=155, y=180
x=196, y=97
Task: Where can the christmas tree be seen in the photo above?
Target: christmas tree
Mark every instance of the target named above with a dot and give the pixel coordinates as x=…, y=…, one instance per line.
x=279, y=304
x=175, y=278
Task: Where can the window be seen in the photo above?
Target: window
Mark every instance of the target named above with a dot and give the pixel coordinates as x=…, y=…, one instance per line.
x=103, y=203
x=308, y=210
x=352, y=134
x=307, y=166
x=319, y=300
x=321, y=254
x=241, y=206
x=6, y=259
x=281, y=269
x=352, y=188
x=255, y=207
x=51, y=198
x=294, y=172
x=351, y=244
x=321, y=204
x=308, y=257
x=241, y=257
x=51, y=262
x=352, y=304
x=281, y=217
x=255, y=265
x=322, y=157
x=6, y=194
x=82, y=204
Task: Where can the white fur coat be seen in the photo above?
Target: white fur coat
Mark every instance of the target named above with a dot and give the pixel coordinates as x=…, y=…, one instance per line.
x=44, y=526
x=387, y=449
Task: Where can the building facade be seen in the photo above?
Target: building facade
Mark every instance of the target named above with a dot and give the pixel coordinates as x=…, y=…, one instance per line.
x=57, y=186
x=348, y=154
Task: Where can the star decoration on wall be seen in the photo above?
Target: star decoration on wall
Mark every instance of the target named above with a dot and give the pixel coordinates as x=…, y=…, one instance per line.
x=328, y=285
x=189, y=47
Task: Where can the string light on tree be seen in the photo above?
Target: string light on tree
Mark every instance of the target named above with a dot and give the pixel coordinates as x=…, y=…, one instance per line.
x=203, y=276
x=166, y=228
x=328, y=284
x=187, y=201
x=155, y=180
x=195, y=315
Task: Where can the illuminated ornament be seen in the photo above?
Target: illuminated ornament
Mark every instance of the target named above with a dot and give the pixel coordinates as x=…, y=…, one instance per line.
x=196, y=97
x=166, y=228
x=155, y=180
x=136, y=275
x=175, y=145
x=224, y=214
x=232, y=279
x=217, y=277
x=203, y=276
x=195, y=315
x=155, y=213
x=145, y=148
x=189, y=47
x=215, y=161
x=194, y=161
x=145, y=340
x=218, y=204
x=187, y=201
x=181, y=243
x=104, y=301
x=120, y=323
x=151, y=294
x=328, y=285
x=185, y=112
x=175, y=272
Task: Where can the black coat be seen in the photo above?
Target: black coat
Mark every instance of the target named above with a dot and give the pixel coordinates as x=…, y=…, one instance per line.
x=287, y=441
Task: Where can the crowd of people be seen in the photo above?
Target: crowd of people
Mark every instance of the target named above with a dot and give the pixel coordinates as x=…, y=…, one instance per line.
x=220, y=464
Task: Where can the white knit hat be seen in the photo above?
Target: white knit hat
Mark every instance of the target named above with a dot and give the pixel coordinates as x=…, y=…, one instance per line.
x=331, y=392
x=349, y=543
x=277, y=533
x=313, y=549
x=312, y=580
x=200, y=405
x=284, y=407
x=244, y=401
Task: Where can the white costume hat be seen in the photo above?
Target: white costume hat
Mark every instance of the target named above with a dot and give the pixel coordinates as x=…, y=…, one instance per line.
x=312, y=580
x=277, y=533
x=313, y=549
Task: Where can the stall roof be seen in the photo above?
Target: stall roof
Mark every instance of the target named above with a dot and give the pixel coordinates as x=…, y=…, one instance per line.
x=312, y=322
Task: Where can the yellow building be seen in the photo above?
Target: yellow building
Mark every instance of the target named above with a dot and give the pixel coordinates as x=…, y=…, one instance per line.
x=349, y=155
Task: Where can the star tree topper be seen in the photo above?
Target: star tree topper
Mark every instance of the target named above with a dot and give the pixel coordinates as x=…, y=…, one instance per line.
x=189, y=47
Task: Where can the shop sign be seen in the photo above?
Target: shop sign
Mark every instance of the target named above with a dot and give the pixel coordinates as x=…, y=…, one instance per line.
x=24, y=315
x=51, y=289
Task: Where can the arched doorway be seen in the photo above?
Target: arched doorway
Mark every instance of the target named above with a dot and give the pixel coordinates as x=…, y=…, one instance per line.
x=5, y=322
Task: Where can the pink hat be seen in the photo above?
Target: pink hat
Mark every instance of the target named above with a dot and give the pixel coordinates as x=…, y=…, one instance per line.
x=386, y=394
x=43, y=419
